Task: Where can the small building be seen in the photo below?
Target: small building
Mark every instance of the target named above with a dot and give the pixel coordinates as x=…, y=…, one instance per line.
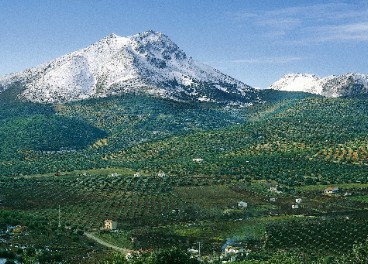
x=331, y=190
x=198, y=160
x=272, y=199
x=233, y=250
x=15, y=229
x=110, y=225
x=194, y=253
x=298, y=200
x=274, y=189
x=295, y=206
x=242, y=204
x=232, y=253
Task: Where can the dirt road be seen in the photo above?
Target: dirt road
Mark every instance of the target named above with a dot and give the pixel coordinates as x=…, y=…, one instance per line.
x=106, y=244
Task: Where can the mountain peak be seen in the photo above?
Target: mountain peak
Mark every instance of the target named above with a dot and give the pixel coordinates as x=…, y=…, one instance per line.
x=150, y=36
x=348, y=84
x=149, y=33
x=148, y=62
x=112, y=35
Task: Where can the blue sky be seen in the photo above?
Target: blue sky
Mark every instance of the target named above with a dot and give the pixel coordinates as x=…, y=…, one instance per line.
x=252, y=40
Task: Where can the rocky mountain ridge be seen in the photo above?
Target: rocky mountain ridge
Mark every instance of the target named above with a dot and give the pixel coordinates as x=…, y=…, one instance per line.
x=148, y=63
x=350, y=84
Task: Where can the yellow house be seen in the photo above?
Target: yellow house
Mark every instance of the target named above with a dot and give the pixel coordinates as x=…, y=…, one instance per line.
x=110, y=225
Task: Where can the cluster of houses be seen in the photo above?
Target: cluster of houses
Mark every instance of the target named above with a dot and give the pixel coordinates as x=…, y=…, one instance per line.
x=329, y=191
x=273, y=189
x=232, y=251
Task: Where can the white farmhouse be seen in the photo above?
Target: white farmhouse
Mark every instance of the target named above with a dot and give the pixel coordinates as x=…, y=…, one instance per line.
x=242, y=204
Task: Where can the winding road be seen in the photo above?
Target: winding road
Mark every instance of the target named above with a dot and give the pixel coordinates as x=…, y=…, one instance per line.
x=106, y=244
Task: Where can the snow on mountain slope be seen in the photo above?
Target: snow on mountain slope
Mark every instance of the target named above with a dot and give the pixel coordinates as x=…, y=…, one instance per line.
x=298, y=82
x=349, y=84
x=148, y=62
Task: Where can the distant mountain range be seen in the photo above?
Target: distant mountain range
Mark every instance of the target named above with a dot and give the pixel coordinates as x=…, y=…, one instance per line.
x=148, y=63
x=350, y=84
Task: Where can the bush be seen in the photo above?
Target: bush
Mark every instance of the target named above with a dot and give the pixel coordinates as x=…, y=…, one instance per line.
x=165, y=256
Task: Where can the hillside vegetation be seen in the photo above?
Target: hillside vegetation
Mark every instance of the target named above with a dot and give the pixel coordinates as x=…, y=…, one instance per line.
x=294, y=138
x=175, y=173
x=312, y=140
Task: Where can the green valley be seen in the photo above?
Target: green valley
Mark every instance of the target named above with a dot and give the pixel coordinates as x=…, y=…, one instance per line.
x=177, y=173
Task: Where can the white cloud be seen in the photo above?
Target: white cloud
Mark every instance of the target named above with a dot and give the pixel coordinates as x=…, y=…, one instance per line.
x=270, y=60
x=311, y=23
x=356, y=31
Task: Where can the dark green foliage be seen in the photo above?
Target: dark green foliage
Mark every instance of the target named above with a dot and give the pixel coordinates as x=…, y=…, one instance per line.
x=16, y=110
x=281, y=146
x=11, y=94
x=273, y=96
x=127, y=120
x=45, y=133
x=171, y=256
x=358, y=255
x=26, y=126
x=6, y=254
x=214, y=156
x=335, y=235
x=46, y=257
x=14, y=218
x=167, y=256
x=286, y=139
x=11, y=106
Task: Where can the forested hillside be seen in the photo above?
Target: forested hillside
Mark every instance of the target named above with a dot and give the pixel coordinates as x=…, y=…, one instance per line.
x=293, y=138
x=313, y=140
x=175, y=172
x=63, y=137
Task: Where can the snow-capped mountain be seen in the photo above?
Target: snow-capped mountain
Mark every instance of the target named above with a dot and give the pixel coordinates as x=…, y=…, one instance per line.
x=148, y=62
x=349, y=84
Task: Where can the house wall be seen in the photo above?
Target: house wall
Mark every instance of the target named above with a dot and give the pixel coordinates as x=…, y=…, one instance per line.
x=110, y=225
